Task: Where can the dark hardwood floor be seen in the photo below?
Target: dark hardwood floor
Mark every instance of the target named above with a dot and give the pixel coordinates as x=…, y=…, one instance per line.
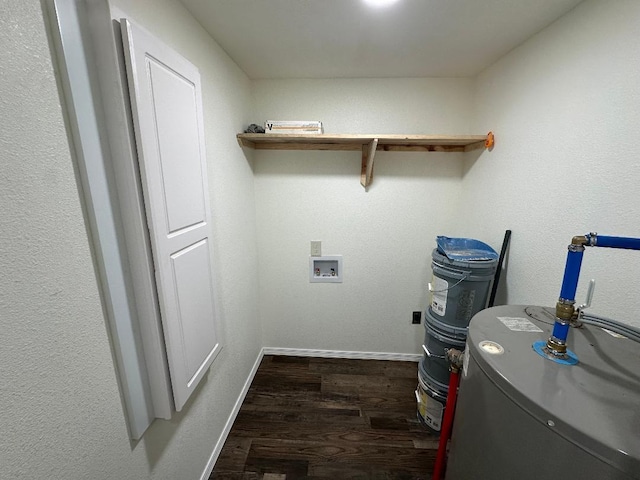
x=318, y=418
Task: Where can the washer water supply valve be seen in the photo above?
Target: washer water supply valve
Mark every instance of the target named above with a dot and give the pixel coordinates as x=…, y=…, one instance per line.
x=555, y=348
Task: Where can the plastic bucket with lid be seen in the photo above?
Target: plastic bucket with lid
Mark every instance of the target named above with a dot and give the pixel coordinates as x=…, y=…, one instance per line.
x=434, y=361
x=459, y=288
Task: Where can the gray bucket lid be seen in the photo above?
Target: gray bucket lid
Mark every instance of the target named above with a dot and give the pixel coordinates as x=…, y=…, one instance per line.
x=458, y=333
x=453, y=342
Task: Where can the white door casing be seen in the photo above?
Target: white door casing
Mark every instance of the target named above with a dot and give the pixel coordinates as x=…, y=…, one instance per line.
x=169, y=129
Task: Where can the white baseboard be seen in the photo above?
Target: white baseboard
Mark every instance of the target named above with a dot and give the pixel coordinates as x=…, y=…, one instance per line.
x=304, y=352
x=296, y=352
x=232, y=418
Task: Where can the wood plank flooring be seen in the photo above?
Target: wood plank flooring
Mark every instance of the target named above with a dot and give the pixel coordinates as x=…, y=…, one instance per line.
x=315, y=418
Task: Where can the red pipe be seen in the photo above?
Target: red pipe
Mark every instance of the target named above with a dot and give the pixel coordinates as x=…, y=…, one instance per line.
x=445, y=432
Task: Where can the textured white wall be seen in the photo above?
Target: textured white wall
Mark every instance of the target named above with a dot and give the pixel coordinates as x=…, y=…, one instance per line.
x=564, y=107
x=385, y=235
x=60, y=403
x=62, y=415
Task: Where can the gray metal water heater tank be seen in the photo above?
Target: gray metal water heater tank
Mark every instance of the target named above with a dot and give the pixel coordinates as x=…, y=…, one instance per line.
x=521, y=416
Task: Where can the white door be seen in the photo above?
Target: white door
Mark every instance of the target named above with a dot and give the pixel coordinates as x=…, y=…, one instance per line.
x=167, y=111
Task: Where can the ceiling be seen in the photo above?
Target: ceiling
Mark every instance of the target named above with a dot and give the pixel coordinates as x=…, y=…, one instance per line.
x=347, y=38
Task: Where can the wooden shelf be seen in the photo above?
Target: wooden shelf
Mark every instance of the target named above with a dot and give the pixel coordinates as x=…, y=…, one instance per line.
x=367, y=144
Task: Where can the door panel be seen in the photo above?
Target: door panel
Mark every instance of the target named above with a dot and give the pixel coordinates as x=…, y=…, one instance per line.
x=167, y=110
x=174, y=98
x=192, y=278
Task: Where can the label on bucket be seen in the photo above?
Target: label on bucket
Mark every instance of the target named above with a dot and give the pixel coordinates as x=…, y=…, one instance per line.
x=422, y=402
x=433, y=413
x=439, y=295
x=429, y=408
x=465, y=305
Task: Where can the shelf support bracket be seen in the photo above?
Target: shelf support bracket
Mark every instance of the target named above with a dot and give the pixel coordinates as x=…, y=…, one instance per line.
x=368, y=154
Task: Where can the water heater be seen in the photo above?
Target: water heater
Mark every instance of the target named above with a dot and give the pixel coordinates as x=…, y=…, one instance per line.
x=521, y=416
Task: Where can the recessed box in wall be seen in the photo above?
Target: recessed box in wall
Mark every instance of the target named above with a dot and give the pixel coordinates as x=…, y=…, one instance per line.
x=326, y=269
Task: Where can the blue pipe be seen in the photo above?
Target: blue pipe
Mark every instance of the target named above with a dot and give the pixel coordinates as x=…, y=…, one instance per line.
x=571, y=275
x=570, y=283
x=613, y=242
x=568, y=290
x=560, y=331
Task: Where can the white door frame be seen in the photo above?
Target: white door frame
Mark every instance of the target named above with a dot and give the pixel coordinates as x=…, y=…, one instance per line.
x=82, y=31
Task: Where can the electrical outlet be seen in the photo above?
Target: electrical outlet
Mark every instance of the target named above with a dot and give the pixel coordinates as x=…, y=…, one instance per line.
x=417, y=316
x=316, y=248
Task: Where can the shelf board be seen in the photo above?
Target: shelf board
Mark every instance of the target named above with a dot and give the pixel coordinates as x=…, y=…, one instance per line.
x=368, y=145
x=403, y=143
